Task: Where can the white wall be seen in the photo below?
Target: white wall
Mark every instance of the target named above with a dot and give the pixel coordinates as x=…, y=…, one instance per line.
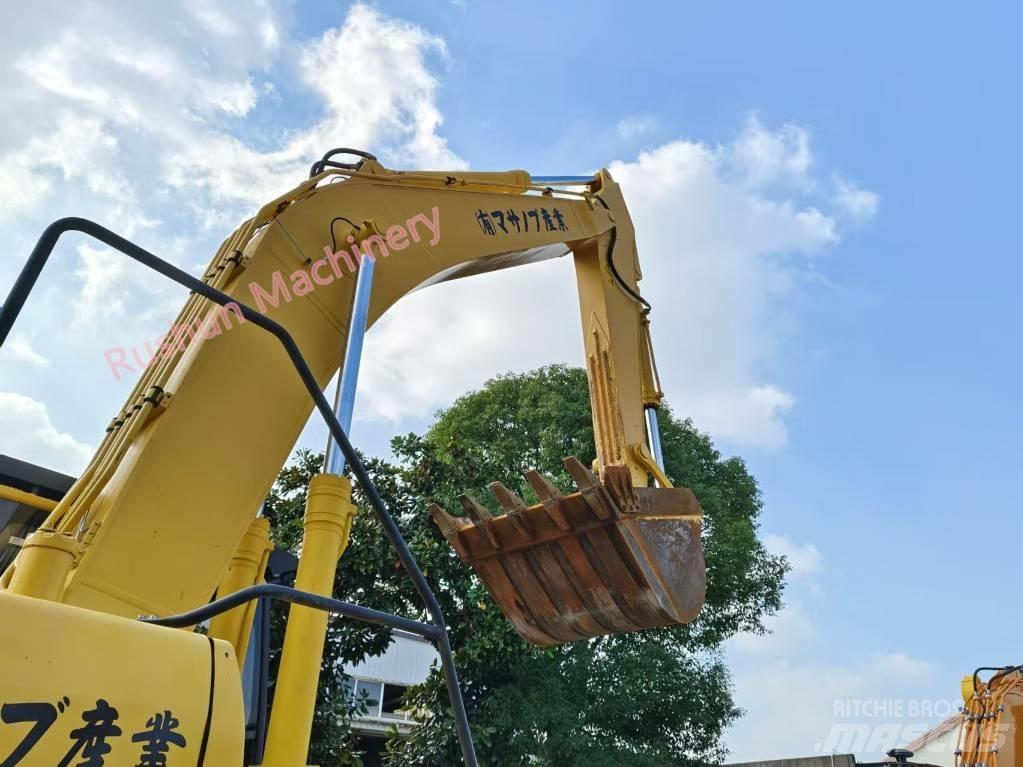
x=406, y=662
x=940, y=751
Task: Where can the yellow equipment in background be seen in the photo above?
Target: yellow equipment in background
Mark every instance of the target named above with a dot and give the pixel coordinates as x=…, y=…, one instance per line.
x=185, y=465
x=989, y=734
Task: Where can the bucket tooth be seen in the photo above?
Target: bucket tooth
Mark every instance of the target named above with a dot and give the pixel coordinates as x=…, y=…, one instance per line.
x=443, y=520
x=618, y=482
x=481, y=518
x=508, y=500
x=450, y=528
x=583, y=477
x=549, y=496
x=593, y=492
x=476, y=510
x=514, y=506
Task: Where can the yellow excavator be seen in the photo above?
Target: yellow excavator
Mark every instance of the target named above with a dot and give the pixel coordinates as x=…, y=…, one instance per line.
x=126, y=616
x=990, y=734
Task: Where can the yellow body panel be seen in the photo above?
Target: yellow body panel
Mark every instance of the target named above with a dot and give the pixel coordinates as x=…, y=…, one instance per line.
x=62, y=662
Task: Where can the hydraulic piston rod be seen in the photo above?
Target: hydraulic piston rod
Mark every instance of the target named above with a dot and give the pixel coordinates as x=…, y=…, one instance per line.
x=344, y=401
x=654, y=435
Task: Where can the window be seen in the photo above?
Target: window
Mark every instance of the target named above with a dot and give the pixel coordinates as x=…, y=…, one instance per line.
x=17, y=521
x=382, y=700
x=390, y=708
x=371, y=691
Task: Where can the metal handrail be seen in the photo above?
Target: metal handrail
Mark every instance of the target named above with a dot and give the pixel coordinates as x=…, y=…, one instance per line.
x=297, y=597
x=8, y=493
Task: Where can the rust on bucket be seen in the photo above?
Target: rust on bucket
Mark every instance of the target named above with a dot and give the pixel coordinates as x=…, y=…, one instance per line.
x=606, y=559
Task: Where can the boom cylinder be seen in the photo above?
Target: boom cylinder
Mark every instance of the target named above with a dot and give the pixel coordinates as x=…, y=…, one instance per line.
x=43, y=565
x=328, y=523
x=247, y=568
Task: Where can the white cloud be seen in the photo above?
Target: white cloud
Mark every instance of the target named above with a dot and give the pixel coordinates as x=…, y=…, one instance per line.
x=803, y=558
x=30, y=435
x=797, y=708
x=137, y=118
x=788, y=631
x=21, y=189
x=102, y=274
x=78, y=149
x=856, y=201
x=21, y=348
x=440, y=342
x=636, y=126
x=374, y=79
x=724, y=248
x=750, y=414
x=236, y=99
x=804, y=696
x=146, y=126
x=900, y=666
x=105, y=93
x=763, y=157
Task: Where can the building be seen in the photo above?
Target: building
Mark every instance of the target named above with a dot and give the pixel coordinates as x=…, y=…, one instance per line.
x=937, y=746
x=383, y=680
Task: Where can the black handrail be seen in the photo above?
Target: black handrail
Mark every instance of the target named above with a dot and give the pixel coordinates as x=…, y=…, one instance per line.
x=16, y=300
x=297, y=597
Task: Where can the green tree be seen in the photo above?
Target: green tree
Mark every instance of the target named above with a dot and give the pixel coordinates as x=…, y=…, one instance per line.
x=658, y=697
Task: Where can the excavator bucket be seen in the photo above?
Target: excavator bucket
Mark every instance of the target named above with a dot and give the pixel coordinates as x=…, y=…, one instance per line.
x=607, y=559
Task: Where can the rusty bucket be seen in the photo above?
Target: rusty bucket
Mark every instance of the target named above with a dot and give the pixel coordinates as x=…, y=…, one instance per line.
x=607, y=559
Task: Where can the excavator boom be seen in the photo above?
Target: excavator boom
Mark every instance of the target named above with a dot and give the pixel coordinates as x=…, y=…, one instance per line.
x=211, y=421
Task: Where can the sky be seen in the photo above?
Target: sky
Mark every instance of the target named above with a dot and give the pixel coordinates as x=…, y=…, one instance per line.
x=826, y=215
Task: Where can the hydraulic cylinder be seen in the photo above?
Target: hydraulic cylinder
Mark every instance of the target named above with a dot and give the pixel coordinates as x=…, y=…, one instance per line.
x=328, y=522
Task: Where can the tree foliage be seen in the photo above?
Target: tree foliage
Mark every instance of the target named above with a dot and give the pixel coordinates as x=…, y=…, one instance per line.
x=658, y=697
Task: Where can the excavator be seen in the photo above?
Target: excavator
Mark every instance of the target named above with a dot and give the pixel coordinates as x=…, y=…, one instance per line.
x=126, y=617
x=990, y=734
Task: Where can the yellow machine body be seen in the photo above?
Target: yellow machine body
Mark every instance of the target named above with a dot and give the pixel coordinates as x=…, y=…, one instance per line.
x=76, y=680
x=163, y=515
x=197, y=446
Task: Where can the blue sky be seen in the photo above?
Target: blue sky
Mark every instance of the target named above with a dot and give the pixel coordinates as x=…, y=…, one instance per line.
x=830, y=188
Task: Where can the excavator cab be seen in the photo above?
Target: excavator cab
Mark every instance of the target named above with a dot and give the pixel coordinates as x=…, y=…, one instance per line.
x=604, y=559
